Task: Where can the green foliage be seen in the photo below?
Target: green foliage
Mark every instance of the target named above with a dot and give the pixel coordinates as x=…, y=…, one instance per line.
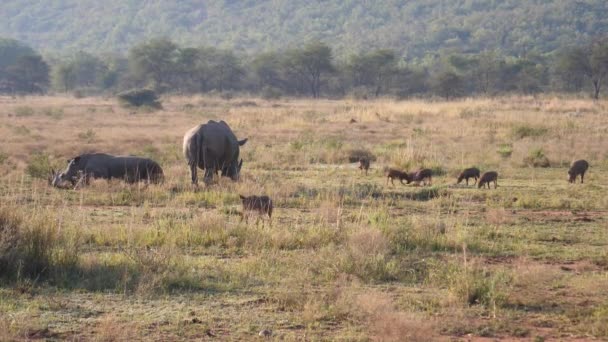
x=11, y=51
x=505, y=150
x=39, y=166
x=415, y=27
x=139, y=98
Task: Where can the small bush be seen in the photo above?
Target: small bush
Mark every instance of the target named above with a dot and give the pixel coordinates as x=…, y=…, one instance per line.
x=39, y=166
x=24, y=111
x=140, y=98
x=524, y=131
x=505, y=150
x=537, y=158
x=355, y=155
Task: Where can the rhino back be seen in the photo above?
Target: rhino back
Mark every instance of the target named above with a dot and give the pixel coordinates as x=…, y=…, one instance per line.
x=218, y=139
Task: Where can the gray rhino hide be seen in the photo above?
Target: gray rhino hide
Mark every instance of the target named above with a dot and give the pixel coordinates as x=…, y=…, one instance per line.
x=100, y=165
x=212, y=147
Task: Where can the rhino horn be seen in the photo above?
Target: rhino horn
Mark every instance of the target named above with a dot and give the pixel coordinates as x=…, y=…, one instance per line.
x=242, y=142
x=240, y=164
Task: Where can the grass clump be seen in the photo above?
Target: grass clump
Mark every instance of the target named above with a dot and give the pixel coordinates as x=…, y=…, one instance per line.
x=32, y=247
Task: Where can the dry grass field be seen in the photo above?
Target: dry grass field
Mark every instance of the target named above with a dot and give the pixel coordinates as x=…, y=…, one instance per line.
x=345, y=257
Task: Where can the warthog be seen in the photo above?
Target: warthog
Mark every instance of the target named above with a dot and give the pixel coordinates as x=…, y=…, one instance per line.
x=422, y=176
x=213, y=147
x=261, y=204
x=100, y=165
x=364, y=164
x=578, y=167
x=393, y=174
x=468, y=173
x=487, y=178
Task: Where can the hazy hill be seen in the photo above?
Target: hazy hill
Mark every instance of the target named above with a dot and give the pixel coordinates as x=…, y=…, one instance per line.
x=413, y=27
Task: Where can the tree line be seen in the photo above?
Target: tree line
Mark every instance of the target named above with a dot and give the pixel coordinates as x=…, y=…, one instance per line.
x=310, y=70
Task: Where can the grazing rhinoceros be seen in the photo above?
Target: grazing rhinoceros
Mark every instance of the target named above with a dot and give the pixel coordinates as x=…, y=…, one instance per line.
x=213, y=147
x=101, y=165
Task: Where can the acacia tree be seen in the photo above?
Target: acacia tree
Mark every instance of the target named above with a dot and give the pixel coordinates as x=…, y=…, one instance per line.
x=310, y=63
x=590, y=61
x=373, y=70
x=29, y=74
x=154, y=62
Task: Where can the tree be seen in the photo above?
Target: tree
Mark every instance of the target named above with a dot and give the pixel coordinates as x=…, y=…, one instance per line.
x=29, y=74
x=11, y=50
x=267, y=70
x=590, y=61
x=83, y=70
x=310, y=63
x=448, y=84
x=373, y=70
x=153, y=63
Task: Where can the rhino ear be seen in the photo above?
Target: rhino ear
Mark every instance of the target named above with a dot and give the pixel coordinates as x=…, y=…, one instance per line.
x=242, y=142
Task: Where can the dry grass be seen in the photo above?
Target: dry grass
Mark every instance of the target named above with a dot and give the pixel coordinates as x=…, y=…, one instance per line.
x=346, y=257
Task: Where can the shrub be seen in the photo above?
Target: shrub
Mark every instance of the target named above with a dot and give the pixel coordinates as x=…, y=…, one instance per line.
x=505, y=150
x=140, y=98
x=355, y=155
x=537, y=158
x=24, y=111
x=39, y=166
x=524, y=131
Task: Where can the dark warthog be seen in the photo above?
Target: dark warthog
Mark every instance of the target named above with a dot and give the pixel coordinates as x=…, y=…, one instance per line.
x=364, y=164
x=487, y=178
x=393, y=174
x=101, y=165
x=468, y=173
x=212, y=147
x=422, y=176
x=578, y=167
x=261, y=204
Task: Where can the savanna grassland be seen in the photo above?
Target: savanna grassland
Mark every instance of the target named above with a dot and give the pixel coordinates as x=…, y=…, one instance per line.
x=345, y=257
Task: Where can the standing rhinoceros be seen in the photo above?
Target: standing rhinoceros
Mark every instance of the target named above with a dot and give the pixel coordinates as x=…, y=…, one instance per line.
x=212, y=147
x=101, y=165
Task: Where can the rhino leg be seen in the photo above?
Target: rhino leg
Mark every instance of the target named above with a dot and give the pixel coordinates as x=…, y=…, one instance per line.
x=194, y=173
x=209, y=172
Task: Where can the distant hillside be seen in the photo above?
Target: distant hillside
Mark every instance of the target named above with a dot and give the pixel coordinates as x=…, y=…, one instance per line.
x=413, y=27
